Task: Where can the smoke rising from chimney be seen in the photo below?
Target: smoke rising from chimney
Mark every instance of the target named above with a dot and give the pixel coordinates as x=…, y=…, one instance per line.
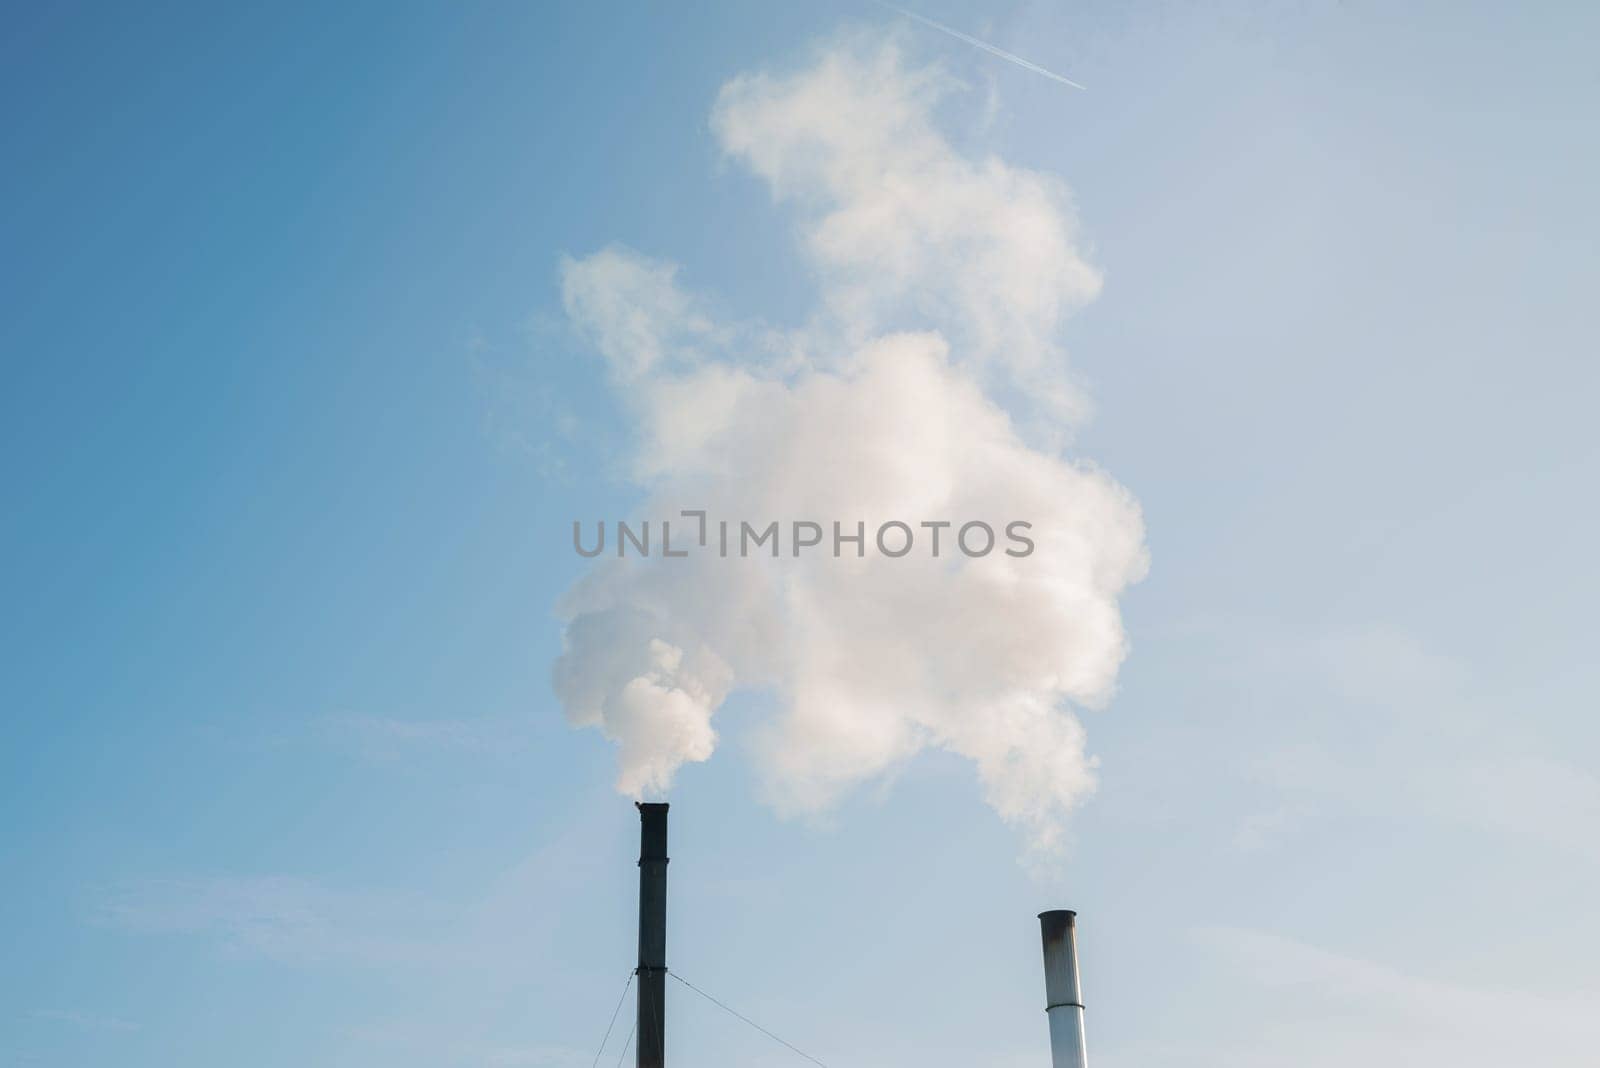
x=943, y=281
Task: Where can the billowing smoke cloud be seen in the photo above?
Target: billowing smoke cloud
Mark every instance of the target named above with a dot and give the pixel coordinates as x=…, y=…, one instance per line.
x=943, y=281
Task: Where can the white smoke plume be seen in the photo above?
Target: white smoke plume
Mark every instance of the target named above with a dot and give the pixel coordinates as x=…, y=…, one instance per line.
x=943, y=282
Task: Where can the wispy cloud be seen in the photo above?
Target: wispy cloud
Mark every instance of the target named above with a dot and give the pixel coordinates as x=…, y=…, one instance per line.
x=1524, y=796
x=1267, y=827
x=1370, y=726
x=83, y=1021
x=1009, y=57
x=384, y=738
x=525, y=415
x=444, y=963
x=1294, y=1003
x=280, y=917
x=1418, y=740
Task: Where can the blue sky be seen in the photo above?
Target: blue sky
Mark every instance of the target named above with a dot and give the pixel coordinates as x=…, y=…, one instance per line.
x=294, y=427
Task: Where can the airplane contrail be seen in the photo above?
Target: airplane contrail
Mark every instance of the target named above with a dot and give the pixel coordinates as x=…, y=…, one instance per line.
x=989, y=48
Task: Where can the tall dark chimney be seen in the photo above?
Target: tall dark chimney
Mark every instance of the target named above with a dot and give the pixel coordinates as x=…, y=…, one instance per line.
x=652, y=1024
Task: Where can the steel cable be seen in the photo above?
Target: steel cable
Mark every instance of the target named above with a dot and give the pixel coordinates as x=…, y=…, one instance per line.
x=626, y=1044
x=746, y=1019
x=613, y=1022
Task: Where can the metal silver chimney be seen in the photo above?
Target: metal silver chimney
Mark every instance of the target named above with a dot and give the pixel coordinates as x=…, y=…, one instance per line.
x=1062, y=994
x=651, y=1027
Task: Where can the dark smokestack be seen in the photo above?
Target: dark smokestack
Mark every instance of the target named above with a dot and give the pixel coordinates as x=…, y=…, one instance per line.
x=652, y=1024
x=1063, y=995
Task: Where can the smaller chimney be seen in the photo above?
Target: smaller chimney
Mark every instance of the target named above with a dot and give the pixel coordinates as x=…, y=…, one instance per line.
x=1062, y=993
